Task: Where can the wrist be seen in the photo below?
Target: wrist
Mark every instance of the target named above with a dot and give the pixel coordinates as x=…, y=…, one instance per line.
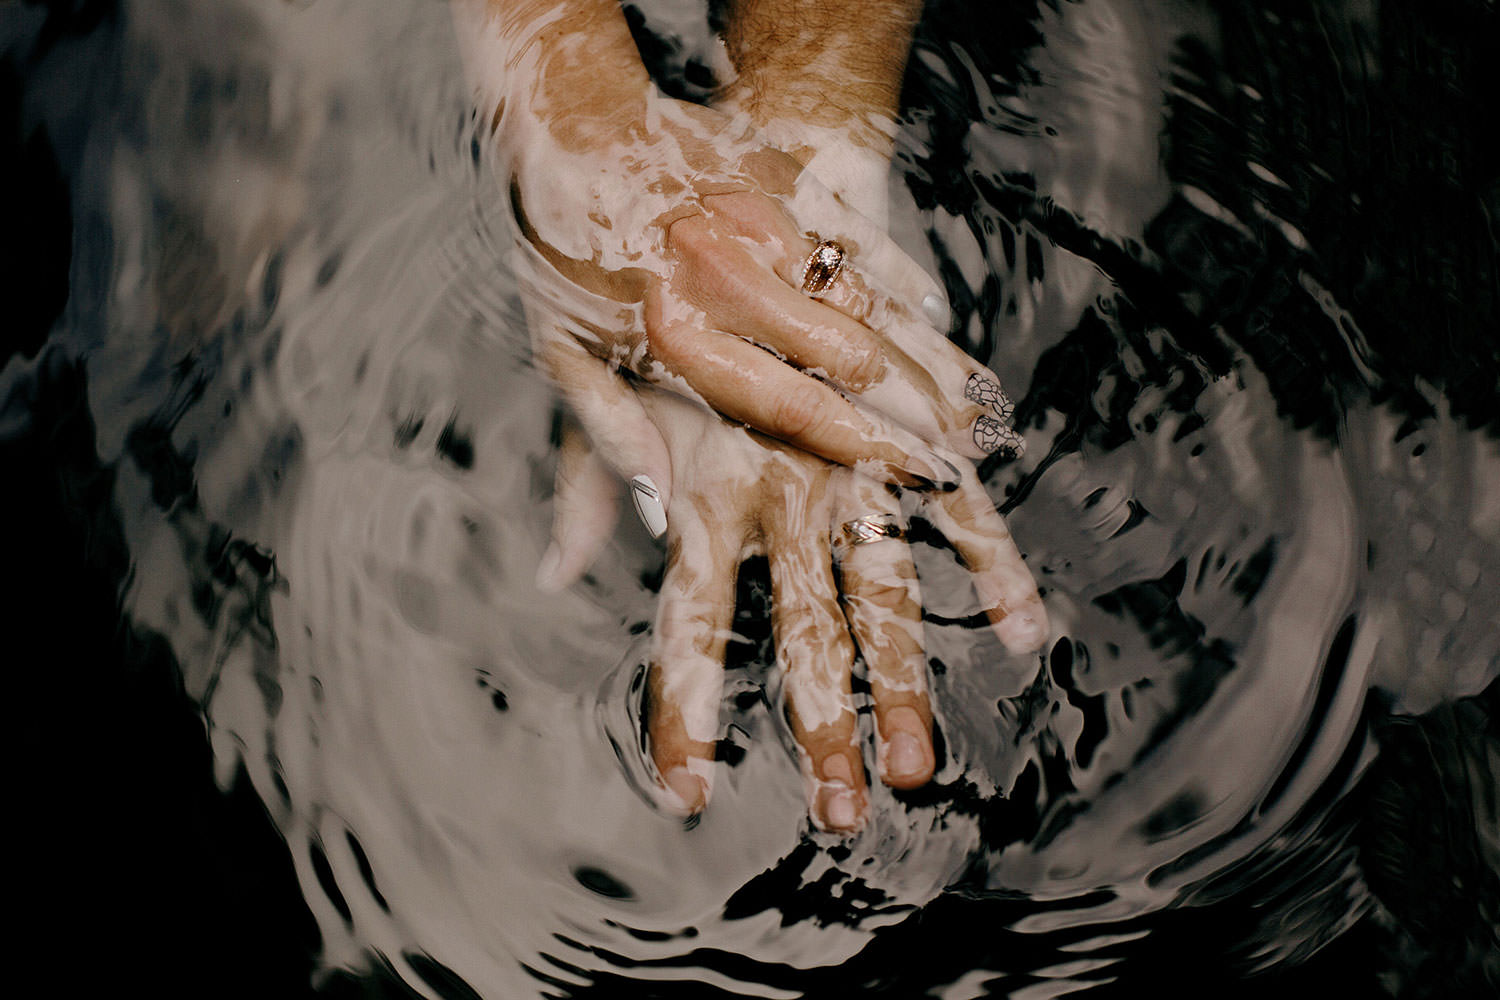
x=568, y=66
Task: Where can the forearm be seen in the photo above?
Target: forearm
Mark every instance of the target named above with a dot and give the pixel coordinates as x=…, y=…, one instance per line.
x=824, y=84
x=569, y=65
x=832, y=65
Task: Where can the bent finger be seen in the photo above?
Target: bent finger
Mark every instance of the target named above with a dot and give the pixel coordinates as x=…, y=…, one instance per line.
x=865, y=339
x=883, y=604
x=968, y=519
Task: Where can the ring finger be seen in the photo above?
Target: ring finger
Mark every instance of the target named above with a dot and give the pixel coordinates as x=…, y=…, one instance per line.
x=816, y=657
x=883, y=604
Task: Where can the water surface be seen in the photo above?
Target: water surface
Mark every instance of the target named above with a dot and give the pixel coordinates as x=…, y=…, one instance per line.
x=283, y=450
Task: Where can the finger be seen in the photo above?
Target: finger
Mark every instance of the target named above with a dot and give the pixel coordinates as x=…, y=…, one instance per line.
x=815, y=208
x=616, y=423
x=585, y=509
x=738, y=293
x=816, y=658
x=860, y=294
x=968, y=519
x=686, y=677
x=918, y=378
x=883, y=604
x=889, y=267
x=746, y=384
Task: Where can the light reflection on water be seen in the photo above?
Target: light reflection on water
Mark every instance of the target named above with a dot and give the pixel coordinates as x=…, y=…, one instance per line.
x=314, y=349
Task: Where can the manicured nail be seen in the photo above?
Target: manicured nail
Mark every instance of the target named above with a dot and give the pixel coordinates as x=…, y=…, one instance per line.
x=933, y=472
x=990, y=436
x=985, y=391
x=647, y=500
x=936, y=311
x=546, y=570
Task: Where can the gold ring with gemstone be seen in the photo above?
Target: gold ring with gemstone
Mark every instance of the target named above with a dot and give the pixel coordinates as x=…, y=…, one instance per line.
x=822, y=267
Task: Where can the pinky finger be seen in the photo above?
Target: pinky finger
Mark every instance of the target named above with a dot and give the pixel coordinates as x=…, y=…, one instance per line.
x=968, y=519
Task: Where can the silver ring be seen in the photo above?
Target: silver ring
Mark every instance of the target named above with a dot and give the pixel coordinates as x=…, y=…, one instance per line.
x=869, y=528
x=821, y=268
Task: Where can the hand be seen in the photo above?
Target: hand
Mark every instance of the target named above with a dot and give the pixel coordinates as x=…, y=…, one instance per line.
x=665, y=238
x=737, y=493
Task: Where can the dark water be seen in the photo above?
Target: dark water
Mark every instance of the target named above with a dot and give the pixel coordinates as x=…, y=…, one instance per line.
x=293, y=720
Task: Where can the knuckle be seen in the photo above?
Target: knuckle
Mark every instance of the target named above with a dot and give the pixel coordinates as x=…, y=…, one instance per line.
x=862, y=364
x=666, y=340
x=694, y=242
x=796, y=415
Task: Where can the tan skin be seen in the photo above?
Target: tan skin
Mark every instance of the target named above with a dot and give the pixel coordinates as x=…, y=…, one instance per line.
x=732, y=492
x=617, y=189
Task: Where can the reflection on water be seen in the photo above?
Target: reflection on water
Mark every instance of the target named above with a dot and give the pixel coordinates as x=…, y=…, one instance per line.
x=1235, y=258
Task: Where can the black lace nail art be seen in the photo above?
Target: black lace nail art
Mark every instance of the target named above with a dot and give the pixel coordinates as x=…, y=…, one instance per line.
x=986, y=391
x=992, y=436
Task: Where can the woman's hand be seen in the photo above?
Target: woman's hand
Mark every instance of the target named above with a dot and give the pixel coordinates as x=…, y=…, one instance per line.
x=665, y=238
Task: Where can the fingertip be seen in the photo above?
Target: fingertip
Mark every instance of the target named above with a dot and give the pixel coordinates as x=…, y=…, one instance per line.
x=840, y=809
x=930, y=471
x=838, y=801
x=548, y=579
x=687, y=793
x=905, y=752
x=1025, y=629
x=908, y=762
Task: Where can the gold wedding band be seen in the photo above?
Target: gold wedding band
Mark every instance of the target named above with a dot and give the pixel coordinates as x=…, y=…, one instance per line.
x=822, y=267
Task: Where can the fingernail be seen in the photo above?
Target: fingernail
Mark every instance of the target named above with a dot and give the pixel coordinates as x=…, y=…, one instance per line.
x=985, y=391
x=840, y=807
x=904, y=756
x=934, y=472
x=990, y=436
x=546, y=570
x=647, y=500
x=691, y=792
x=936, y=311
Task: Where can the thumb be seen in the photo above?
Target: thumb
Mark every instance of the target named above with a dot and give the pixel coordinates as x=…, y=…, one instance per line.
x=611, y=415
x=585, y=509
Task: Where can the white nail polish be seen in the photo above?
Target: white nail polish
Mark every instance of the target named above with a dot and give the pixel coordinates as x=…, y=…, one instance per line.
x=546, y=570
x=647, y=500
x=936, y=311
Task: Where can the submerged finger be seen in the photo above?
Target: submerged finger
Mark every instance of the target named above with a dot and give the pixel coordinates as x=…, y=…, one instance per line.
x=749, y=385
x=883, y=604
x=816, y=657
x=616, y=423
x=686, y=676
x=968, y=519
x=585, y=509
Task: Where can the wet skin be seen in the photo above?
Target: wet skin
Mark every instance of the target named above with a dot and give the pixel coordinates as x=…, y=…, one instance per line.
x=681, y=265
